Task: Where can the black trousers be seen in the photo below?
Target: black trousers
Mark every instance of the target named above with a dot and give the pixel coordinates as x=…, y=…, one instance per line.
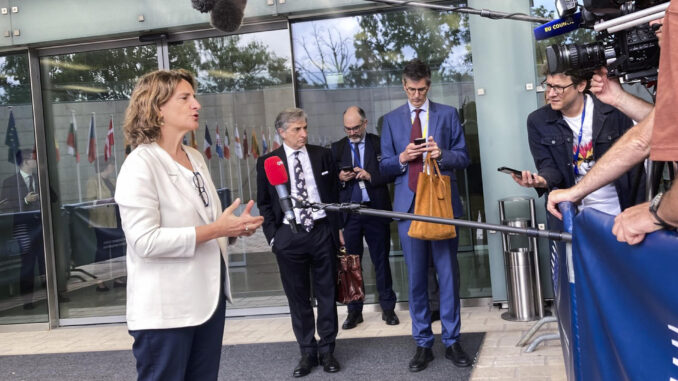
x=303, y=258
x=378, y=236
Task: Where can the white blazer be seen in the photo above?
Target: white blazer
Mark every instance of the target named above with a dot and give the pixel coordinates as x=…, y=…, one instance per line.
x=171, y=281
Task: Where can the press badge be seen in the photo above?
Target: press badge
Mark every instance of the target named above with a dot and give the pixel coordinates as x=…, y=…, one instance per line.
x=361, y=184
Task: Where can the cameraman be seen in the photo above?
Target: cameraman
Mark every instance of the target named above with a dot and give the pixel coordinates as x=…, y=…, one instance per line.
x=656, y=136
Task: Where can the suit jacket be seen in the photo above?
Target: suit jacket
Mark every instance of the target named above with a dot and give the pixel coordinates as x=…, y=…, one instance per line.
x=377, y=188
x=171, y=281
x=326, y=178
x=15, y=199
x=446, y=131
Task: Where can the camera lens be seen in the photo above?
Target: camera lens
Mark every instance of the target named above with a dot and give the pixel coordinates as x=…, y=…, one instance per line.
x=572, y=56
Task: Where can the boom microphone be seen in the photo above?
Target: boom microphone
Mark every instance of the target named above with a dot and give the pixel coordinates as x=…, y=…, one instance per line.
x=557, y=27
x=227, y=15
x=277, y=176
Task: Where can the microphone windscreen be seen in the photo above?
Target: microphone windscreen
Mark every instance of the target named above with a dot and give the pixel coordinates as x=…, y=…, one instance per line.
x=227, y=15
x=557, y=27
x=203, y=5
x=275, y=171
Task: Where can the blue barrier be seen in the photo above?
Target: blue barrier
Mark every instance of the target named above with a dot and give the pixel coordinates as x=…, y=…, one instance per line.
x=620, y=319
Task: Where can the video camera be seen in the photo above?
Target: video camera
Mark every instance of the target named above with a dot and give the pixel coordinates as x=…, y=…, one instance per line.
x=625, y=42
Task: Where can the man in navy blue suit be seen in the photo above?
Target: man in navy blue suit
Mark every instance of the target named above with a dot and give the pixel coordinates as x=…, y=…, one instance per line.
x=357, y=157
x=401, y=157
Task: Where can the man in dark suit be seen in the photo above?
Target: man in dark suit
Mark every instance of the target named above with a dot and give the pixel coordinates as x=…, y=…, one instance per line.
x=311, y=252
x=20, y=196
x=361, y=182
x=401, y=157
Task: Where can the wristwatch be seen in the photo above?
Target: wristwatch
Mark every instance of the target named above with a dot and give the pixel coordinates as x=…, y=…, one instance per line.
x=654, y=206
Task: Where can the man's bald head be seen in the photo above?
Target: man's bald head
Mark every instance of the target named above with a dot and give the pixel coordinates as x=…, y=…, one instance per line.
x=355, y=123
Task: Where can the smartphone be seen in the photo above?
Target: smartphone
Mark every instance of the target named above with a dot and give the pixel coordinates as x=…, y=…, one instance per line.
x=347, y=168
x=509, y=171
x=419, y=141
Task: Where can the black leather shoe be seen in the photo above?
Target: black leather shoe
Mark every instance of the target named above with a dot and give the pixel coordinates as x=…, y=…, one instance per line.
x=435, y=315
x=390, y=317
x=329, y=363
x=421, y=358
x=352, y=320
x=456, y=354
x=306, y=363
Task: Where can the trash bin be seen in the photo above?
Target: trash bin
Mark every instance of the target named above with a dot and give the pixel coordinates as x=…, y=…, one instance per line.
x=520, y=283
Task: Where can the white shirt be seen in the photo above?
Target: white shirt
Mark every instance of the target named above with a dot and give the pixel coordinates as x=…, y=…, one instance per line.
x=604, y=199
x=311, y=187
x=27, y=179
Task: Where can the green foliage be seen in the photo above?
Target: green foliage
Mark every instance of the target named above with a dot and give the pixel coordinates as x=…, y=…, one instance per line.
x=15, y=85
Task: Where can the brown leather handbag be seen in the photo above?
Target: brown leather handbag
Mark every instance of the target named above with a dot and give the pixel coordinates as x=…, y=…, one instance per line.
x=433, y=198
x=349, y=278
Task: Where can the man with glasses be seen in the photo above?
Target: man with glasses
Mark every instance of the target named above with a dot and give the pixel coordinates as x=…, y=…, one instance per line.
x=402, y=157
x=357, y=157
x=569, y=134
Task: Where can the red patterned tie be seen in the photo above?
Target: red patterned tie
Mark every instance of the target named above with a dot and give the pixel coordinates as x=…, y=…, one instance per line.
x=416, y=165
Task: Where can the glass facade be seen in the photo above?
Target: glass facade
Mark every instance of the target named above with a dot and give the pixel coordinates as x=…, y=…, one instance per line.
x=244, y=81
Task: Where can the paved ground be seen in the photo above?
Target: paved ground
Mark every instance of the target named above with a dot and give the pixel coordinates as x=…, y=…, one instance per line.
x=499, y=358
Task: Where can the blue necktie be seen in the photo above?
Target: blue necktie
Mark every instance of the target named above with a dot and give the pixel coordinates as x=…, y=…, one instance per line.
x=356, y=192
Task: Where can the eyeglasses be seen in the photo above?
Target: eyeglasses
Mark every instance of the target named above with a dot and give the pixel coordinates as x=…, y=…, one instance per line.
x=353, y=129
x=200, y=184
x=421, y=90
x=558, y=89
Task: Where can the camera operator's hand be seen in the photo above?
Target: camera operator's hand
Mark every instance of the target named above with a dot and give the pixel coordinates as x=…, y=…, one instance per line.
x=607, y=90
x=530, y=180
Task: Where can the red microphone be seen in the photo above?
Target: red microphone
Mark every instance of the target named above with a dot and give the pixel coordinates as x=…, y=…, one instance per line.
x=277, y=176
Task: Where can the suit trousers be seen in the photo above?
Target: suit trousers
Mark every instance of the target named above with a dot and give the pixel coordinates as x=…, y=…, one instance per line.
x=182, y=354
x=444, y=255
x=378, y=236
x=300, y=257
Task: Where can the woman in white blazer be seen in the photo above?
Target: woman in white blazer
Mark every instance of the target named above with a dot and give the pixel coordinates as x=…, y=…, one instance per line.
x=177, y=274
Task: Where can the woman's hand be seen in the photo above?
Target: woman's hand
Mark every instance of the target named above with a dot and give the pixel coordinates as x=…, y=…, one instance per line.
x=230, y=225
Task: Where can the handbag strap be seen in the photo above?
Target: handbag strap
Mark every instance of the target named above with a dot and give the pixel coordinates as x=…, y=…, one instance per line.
x=429, y=165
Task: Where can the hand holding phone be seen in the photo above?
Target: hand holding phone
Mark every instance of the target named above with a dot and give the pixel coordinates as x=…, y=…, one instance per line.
x=419, y=141
x=510, y=171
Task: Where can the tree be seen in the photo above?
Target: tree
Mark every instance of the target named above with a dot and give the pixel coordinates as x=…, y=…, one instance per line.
x=15, y=84
x=326, y=53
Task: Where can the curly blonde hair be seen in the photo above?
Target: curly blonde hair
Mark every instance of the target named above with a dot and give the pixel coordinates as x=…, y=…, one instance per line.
x=153, y=90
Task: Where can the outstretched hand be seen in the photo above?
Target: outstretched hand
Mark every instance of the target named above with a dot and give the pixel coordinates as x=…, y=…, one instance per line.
x=231, y=225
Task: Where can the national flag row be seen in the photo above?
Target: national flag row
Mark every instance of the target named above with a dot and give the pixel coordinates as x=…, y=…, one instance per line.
x=12, y=141
x=242, y=150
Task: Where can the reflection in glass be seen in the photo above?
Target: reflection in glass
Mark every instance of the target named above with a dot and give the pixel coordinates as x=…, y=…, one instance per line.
x=244, y=81
x=358, y=61
x=85, y=96
x=22, y=260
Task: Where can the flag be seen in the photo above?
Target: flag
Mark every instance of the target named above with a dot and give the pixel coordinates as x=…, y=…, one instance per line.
x=264, y=145
x=109, y=141
x=255, y=145
x=92, y=142
x=207, y=144
x=276, y=140
x=72, y=140
x=12, y=141
x=238, y=146
x=227, y=144
x=244, y=144
x=194, y=143
x=219, y=149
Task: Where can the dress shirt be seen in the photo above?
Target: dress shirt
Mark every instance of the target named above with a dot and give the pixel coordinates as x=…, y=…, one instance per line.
x=27, y=181
x=311, y=187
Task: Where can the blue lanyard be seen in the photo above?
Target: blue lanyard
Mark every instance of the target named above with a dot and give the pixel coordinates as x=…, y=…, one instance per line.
x=575, y=157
